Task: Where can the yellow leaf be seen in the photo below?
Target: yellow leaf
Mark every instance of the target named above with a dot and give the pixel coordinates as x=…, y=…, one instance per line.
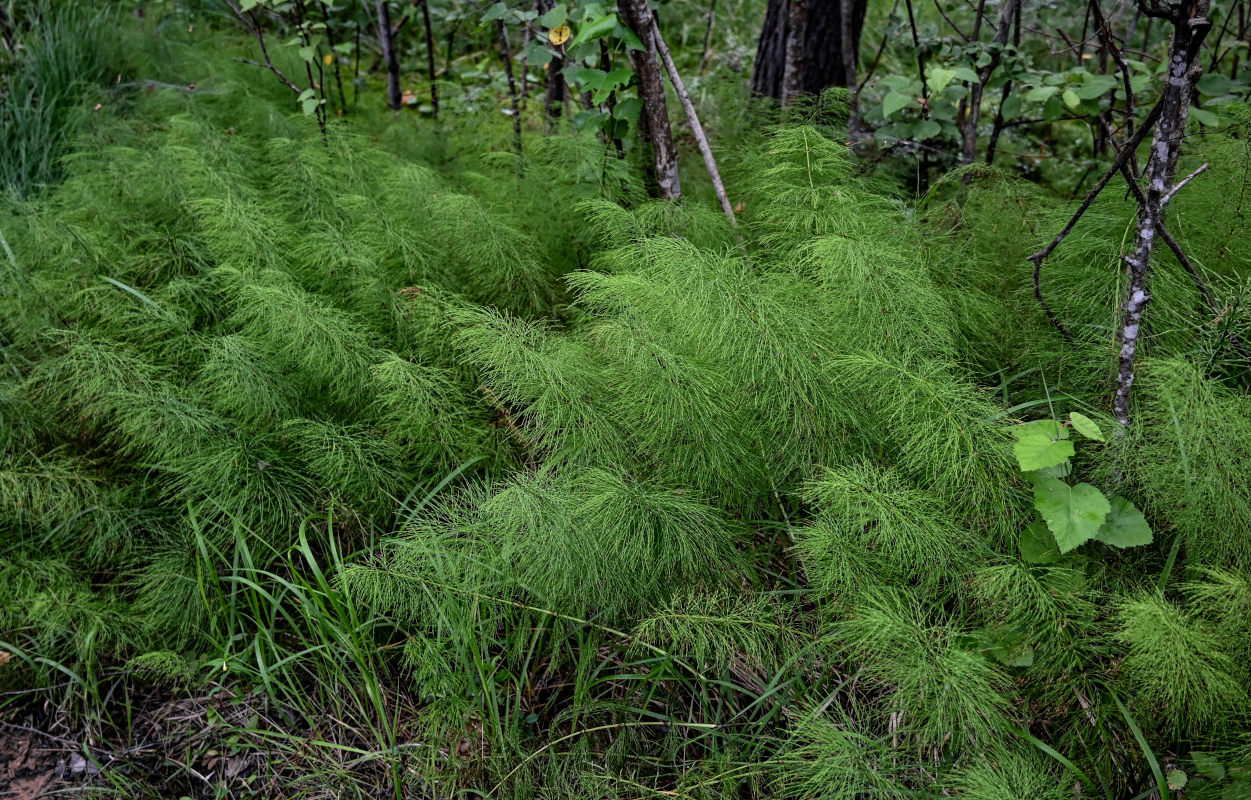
x=559, y=35
x=328, y=59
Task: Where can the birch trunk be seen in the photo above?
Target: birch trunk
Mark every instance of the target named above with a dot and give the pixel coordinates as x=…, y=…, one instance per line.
x=1190, y=26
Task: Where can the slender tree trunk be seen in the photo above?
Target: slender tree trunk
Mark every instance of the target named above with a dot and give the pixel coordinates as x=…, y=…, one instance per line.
x=356, y=67
x=430, y=72
x=525, y=77
x=997, y=128
x=557, y=94
x=851, y=57
x=969, y=129
x=652, y=92
x=1190, y=26
x=515, y=104
x=330, y=40
x=388, y=54
x=706, y=53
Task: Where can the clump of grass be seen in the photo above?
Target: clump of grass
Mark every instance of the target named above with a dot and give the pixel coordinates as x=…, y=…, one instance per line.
x=50, y=80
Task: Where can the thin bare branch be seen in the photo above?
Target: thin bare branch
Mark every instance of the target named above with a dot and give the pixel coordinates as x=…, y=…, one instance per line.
x=1169, y=195
x=696, y=128
x=252, y=25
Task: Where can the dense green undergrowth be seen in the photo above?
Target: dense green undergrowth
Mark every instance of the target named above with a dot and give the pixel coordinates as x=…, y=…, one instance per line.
x=542, y=489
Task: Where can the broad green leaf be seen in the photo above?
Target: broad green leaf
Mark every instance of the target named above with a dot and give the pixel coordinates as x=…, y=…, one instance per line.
x=1214, y=84
x=1041, y=444
x=628, y=109
x=309, y=105
x=589, y=120
x=894, y=101
x=631, y=39
x=618, y=77
x=1074, y=514
x=938, y=78
x=1037, y=546
x=1058, y=471
x=248, y=5
x=595, y=29
x=1040, y=94
x=589, y=79
x=1205, y=117
x=1007, y=646
x=1176, y=779
x=1017, y=656
x=497, y=11
x=555, y=17
x=966, y=74
x=1071, y=99
x=1097, y=86
x=1208, y=765
x=941, y=107
x=1011, y=107
x=889, y=134
x=1086, y=426
x=1125, y=527
x=537, y=54
x=900, y=83
x=1053, y=109
x=926, y=129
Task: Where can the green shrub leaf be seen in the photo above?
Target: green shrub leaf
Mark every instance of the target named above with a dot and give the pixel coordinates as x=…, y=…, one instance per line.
x=596, y=29
x=1208, y=765
x=1073, y=513
x=1041, y=444
x=1126, y=526
x=1086, y=426
x=894, y=101
x=1037, y=546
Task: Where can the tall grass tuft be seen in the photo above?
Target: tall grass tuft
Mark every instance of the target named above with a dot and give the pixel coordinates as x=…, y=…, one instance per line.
x=48, y=82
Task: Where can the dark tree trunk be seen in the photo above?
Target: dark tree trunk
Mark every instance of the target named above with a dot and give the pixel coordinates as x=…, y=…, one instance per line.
x=507, y=53
x=430, y=72
x=389, y=55
x=338, y=79
x=968, y=125
x=646, y=65
x=557, y=92
x=803, y=47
